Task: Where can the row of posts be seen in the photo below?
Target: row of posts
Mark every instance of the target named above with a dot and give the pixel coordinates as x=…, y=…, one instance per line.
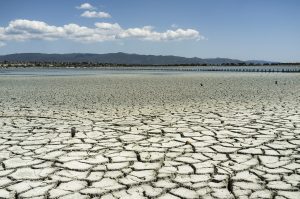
x=292, y=70
x=207, y=69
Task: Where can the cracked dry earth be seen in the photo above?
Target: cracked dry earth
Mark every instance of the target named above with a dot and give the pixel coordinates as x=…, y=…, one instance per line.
x=151, y=136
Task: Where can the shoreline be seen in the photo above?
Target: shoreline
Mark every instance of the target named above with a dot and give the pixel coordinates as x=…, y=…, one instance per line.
x=261, y=69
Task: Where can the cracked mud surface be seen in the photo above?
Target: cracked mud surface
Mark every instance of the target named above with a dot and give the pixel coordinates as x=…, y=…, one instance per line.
x=150, y=136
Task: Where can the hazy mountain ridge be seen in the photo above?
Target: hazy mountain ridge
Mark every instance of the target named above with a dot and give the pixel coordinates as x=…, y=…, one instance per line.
x=118, y=58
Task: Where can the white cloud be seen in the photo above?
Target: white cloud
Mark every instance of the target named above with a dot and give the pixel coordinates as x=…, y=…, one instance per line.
x=147, y=33
x=24, y=30
x=94, y=14
x=108, y=26
x=86, y=6
x=174, y=25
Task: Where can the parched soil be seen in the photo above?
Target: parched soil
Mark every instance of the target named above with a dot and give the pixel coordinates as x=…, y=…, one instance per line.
x=202, y=135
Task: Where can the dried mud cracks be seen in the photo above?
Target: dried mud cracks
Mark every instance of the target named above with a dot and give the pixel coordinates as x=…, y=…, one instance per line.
x=170, y=152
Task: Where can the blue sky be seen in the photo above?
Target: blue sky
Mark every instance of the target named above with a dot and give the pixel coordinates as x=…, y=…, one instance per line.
x=241, y=29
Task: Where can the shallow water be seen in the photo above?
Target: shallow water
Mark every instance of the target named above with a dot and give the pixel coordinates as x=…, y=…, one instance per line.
x=137, y=70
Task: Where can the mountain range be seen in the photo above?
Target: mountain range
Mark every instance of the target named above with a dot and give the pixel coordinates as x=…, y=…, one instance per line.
x=119, y=58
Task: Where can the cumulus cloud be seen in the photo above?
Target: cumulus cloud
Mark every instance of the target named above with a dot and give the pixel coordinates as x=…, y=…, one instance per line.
x=21, y=30
x=147, y=33
x=94, y=14
x=24, y=30
x=86, y=6
x=103, y=25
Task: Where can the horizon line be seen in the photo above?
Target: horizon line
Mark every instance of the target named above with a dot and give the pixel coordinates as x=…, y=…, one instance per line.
x=119, y=52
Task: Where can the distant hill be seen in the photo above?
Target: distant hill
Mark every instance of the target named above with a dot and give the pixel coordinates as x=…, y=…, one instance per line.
x=117, y=58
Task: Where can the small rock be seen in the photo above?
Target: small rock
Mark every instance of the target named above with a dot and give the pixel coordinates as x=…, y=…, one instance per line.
x=3, y=165
x=73, y=132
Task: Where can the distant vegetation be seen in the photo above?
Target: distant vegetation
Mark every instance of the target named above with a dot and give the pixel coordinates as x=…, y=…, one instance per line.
x=91, y=64
x=233, y=67
x=120, y=60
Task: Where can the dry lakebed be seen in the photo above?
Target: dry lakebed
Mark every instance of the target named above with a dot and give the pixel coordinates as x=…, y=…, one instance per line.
x=150, y=135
